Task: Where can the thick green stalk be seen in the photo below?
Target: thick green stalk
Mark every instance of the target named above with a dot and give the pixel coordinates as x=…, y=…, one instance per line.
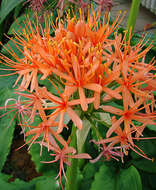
x=72, y=170
x=133, y=14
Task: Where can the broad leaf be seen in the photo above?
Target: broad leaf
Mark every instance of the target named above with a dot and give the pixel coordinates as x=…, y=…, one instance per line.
x=88, y=175
x=20, y=22
x=129, y=179
x=7, y=131
x=109, y=178
x=11, y=46
x=9, y=80
x=7, y=6
x=151, y=127
x=148, y=147
x=145, y=165
x=38, y=183
x=48, y=184
x=104, y=178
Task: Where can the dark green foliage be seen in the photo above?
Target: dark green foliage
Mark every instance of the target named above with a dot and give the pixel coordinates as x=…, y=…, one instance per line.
x=6, y=128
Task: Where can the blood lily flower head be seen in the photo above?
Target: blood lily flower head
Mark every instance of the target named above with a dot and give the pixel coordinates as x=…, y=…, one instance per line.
x=83, y=59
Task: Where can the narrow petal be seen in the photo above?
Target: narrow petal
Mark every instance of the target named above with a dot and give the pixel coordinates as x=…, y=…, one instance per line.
x=112, y=109
x=112, y=93
x=93, y=86
x=61, y=122
x=83, y=100
x=97, y=100
x=112, y=139
x=80, y=156
x=69, y=150
x=62, y=75
x=75, y=118
x=114, y=126
x=69, y=90
x=59, y=138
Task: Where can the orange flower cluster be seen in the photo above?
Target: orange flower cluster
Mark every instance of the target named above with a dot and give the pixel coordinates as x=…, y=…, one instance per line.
x=86, y=62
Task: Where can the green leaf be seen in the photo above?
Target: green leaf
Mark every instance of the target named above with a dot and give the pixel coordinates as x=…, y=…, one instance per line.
x=6, y=133
x=48, y=184
x=16, y=185
x=11, y=46
x=88, y=175
x=148, y=147
x=9, y=80
x=21, y=185
x=125, y=179
x=38, y=183
x=4, y=177
x=20, y=22
x=104, y=178
x=145, y=165
x=7, y=6
x=151, y=127
x=129, y=179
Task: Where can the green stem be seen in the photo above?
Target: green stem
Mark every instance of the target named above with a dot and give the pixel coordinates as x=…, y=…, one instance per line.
x=72, y=170
x=94, y=128
x=133, y=15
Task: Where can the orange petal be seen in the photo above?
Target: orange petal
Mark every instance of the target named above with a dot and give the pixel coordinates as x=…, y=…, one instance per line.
x=75, y=118
x=93, y=86
x=112, y=93
x=61, y=122
x=114, y=126
x=83, y=100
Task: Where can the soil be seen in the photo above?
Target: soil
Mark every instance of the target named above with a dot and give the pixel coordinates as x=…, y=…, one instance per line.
x=19, y=163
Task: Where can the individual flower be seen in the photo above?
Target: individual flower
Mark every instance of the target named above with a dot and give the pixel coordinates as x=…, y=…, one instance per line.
x=81, y=4
x=104, y=4
x=127, y=116
x=34, y=102
x=61, y=106
x=44, y=130
x=104, y=76
x=36, y=5
x=107, y=152
x=63, y=155
x=20, y=109
x=122, y=138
